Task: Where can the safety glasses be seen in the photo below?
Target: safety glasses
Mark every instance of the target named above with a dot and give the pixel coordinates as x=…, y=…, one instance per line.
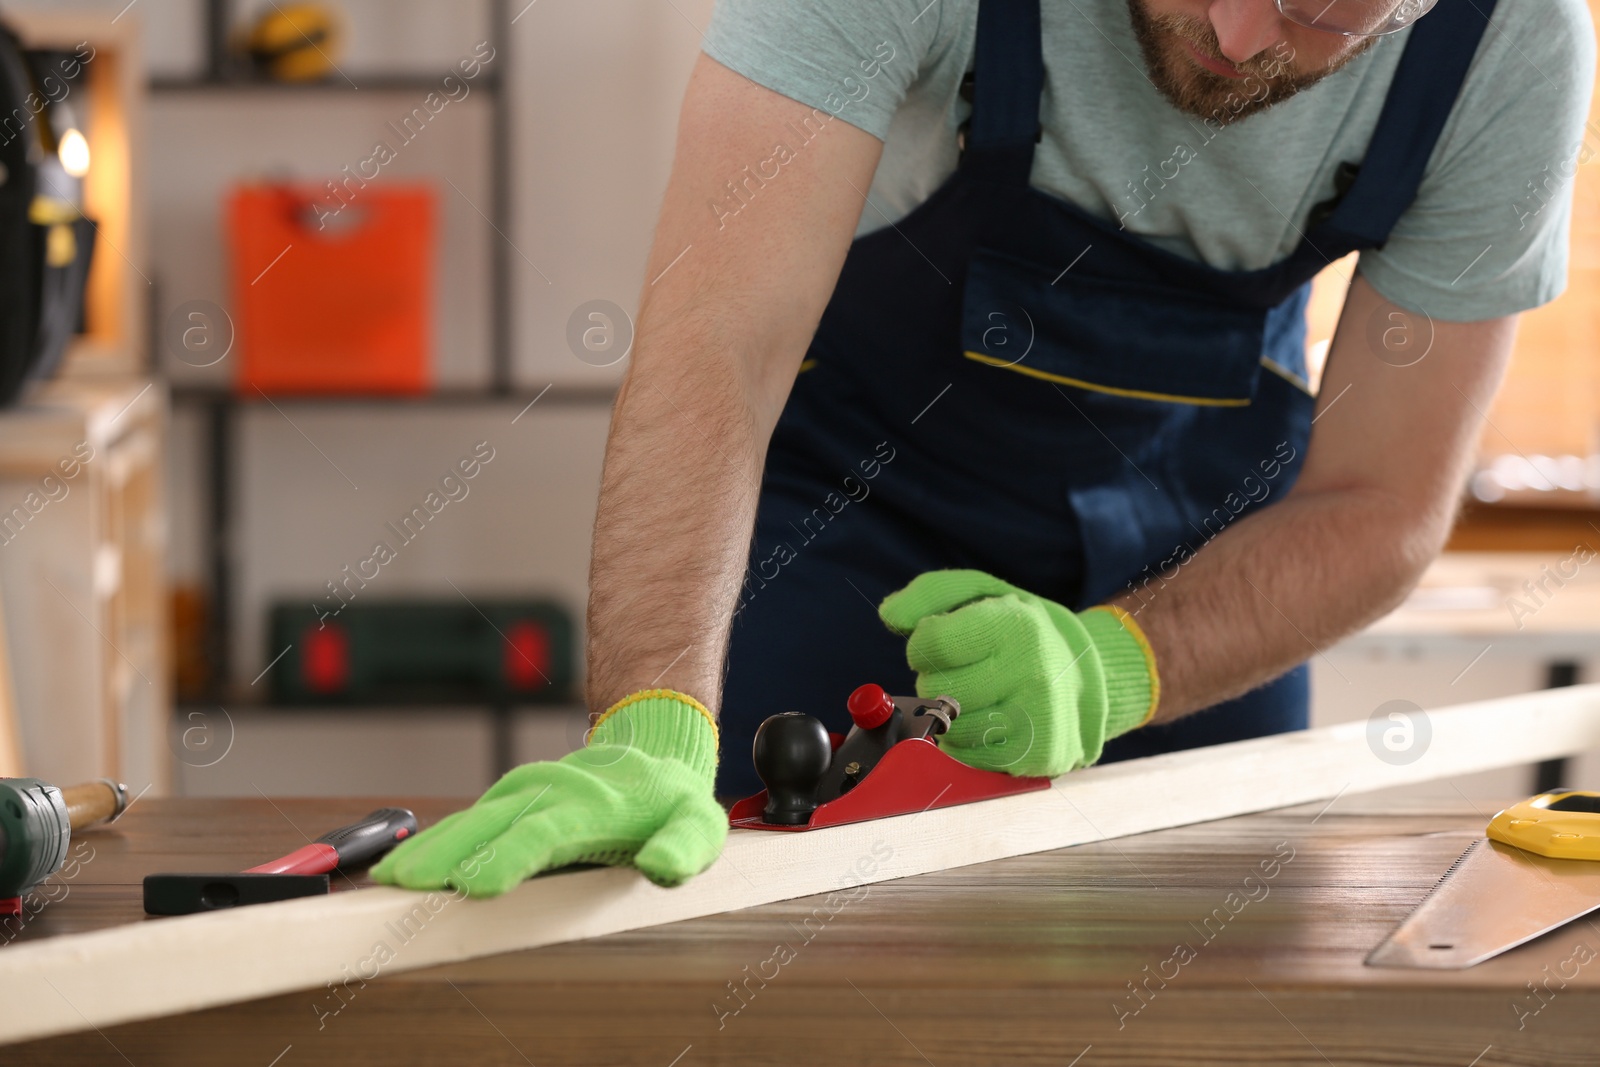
x=1355, y=18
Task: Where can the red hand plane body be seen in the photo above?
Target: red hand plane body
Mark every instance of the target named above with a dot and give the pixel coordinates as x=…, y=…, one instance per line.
x=888, y=764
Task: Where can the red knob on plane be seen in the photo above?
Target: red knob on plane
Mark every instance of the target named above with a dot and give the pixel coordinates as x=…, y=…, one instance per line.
x=870, y=706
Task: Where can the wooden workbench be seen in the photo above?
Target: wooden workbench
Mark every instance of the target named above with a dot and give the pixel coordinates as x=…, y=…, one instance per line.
x=1026, y=960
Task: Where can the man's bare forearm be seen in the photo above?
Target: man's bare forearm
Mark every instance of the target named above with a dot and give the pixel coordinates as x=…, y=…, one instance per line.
x=1390, y=449
x=672, y=534
x=729, y=308
x=1277, y=588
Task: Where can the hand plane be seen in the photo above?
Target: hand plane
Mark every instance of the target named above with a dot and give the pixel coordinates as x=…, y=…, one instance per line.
x=888, y=764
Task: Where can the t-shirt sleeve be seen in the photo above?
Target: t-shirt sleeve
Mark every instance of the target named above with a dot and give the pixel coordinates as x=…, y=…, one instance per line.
x=850, y=59
x=1487, y=234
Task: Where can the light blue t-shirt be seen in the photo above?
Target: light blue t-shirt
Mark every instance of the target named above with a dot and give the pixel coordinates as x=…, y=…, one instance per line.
x=1485, y=237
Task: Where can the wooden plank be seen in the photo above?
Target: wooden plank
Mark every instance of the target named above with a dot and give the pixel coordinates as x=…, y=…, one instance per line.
x=11, y=762
x=1017, y=961
x=165, y=967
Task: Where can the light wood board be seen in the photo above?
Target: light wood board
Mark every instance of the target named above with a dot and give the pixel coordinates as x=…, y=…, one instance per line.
x=169, y=966
x=12, y=764
x=1022, y=961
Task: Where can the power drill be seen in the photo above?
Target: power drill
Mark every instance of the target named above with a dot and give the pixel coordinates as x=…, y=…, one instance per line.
x=36, y=824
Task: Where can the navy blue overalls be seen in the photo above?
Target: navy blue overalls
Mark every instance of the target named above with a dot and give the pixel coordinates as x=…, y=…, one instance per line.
x=968, y=401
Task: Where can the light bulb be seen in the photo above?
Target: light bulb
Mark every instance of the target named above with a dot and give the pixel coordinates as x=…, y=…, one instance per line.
x=74, y=152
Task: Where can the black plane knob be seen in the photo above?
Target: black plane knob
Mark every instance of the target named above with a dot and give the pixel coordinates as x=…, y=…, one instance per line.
x=792, y=752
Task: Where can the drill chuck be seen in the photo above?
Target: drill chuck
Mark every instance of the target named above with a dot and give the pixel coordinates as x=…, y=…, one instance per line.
x=34, y=833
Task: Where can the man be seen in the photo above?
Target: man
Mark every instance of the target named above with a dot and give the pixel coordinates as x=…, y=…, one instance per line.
x=1051, y=405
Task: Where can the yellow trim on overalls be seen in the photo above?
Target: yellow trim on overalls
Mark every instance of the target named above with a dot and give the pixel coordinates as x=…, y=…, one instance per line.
x=1172, y=398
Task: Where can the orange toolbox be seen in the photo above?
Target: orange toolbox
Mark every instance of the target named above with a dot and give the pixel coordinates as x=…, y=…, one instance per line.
x=332, y=296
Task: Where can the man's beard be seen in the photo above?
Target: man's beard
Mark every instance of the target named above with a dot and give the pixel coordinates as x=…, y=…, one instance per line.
x=1272, y=77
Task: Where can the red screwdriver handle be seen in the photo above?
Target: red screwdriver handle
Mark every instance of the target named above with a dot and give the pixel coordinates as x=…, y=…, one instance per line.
x=348, y=846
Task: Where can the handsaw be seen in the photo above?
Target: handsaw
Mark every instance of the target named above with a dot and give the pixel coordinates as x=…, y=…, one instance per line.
x=1538, y=869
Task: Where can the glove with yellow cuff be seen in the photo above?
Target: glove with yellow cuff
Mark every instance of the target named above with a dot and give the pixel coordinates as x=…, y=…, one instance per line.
x=1041, y=688
x=638, y=794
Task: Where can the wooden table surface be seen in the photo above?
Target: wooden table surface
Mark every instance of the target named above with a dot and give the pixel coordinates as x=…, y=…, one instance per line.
x=1233, y=942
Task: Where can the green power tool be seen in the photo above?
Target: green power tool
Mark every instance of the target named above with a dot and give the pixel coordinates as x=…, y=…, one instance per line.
x=36, y=824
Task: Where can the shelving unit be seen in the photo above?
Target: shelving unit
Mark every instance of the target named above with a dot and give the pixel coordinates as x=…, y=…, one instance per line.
x=223, y=76
x=221, y=407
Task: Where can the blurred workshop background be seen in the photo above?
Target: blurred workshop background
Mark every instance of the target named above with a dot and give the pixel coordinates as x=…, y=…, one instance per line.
x=297, y=496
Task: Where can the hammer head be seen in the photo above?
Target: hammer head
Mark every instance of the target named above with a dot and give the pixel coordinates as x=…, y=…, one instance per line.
x=184, y=894
x=34, y=833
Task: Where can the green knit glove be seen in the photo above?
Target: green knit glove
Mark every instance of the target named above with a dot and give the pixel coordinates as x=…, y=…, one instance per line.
x=639, y=793
x=1041, y=688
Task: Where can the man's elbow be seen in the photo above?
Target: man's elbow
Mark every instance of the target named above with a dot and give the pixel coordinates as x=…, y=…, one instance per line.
x=1408, y=535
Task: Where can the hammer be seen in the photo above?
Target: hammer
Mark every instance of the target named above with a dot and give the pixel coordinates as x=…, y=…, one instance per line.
x=36, y=824
x=301, y=873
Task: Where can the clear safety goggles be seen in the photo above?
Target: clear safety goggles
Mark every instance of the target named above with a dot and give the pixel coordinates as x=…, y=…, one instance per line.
x=1355, y=18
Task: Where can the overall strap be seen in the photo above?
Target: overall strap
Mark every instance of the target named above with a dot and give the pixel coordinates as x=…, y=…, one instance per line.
x=1427, y=81
x=1007, y=84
